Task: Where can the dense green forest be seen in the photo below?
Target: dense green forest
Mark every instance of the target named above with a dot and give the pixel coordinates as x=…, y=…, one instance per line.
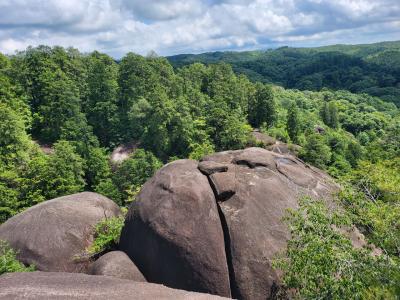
x=372, y=69
x=63, y=112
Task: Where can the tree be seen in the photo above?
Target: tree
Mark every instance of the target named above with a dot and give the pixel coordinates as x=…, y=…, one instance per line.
x=134, y=171
x=263, y=108
x=292, y=124
x=97, y=167
x=329, y=114
x=354, y=152
x=14, y=141
x=315, y=151
x=101, y=103
x=333, y=112
x=65, y=171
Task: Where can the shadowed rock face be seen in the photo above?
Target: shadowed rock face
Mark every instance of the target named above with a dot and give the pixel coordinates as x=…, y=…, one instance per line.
x=173, y=231
x=190, y=229
x=43, y=285
x=53, y=234
x=116, y=264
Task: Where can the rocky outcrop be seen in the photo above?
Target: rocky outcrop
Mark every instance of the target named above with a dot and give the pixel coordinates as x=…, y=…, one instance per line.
x=122, y=152
x=53, y=234
x=116, y=264
x=43, y=285
x=216, y=226
x=272, y=144
x=265, y=185
x=173, y=231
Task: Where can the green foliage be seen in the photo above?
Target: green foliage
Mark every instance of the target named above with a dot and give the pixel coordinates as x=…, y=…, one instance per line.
x=106, y=236
x=9, y=262
x=66, y=171
x=262, y=107
x=315, y=151
x=321, y=263
x=329, y=114
x=133, y=172
x=292, y=123
x=100, y=105
x=372, y=194
x=371, y=69
x=97, y=167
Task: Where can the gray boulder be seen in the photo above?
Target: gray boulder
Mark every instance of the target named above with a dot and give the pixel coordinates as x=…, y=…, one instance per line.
x=173, y=231
x=54, y=234
x=216, y=226
x=116, y=264
x=265, y=185
x=48, y=285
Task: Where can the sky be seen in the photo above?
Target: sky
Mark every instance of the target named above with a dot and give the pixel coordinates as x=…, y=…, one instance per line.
x=171, y=27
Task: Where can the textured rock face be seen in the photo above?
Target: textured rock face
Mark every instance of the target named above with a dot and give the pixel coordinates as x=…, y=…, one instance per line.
x=173, y=231
x=116, y=264
x=266, y=184
x=53, y=234
x=43, y=285
x=194, y=228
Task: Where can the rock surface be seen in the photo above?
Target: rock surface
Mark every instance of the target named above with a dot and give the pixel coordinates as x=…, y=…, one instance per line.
x=43, y=285
x=211, y=167
x=116, y=264
x=173, y=231
x=266, y=184
x=53, y=234
x=191, y=236
x=122, y=152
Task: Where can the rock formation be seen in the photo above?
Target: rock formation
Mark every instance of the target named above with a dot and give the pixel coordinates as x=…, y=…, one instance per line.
x=54, y=234
x=48, y=285
x=173, y=231
x=116, y=264
x=216, y=226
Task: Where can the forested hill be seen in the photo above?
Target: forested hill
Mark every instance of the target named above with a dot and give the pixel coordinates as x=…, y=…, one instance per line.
x=370, y=68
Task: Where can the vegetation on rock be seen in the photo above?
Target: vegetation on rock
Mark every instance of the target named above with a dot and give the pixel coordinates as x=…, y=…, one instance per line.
x=9, y=262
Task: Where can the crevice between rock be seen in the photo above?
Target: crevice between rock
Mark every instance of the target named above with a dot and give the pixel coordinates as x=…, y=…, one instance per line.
x=235, y=292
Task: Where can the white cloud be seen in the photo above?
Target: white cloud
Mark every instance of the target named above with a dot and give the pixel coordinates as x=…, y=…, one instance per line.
x=175, y=26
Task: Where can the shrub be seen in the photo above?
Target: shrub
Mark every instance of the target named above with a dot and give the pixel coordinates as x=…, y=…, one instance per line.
x=9, y=262
x=321, y=263
x=107, y=233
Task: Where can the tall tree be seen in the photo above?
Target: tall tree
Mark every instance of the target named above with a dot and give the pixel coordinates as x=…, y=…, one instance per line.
x=262, y=108
x=101, y=103
x=292, y=123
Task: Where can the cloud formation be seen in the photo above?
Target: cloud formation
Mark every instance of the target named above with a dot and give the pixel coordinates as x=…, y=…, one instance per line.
x=192, y=26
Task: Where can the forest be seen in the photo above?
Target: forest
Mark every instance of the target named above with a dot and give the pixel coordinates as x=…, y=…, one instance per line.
x=63, y=112
x=372, y=68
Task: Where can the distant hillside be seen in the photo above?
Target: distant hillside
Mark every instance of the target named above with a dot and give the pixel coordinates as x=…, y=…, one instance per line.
x=369, y=68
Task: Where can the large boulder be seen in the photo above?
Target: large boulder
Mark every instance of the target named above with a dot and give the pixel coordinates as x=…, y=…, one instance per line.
x=116, y=264
x=266, y=185
x=48, y=285
x=193, y=223
x=173, y=231
x=54, y=234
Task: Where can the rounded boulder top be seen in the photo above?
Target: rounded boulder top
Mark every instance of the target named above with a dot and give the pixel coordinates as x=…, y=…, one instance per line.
x=52, y=234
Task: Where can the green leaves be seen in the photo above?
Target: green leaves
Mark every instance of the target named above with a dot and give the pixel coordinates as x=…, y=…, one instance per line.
x=292, y=123
x=9, y=262
x=106, y=236
x=321, y=263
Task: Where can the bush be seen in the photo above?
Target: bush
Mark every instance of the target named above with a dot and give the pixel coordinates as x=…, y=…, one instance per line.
x=279, y=133
x=107, y=233
x=321, y=263
x=9, y=262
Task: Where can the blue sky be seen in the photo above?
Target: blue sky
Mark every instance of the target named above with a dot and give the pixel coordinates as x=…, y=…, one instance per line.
x=192, y=26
